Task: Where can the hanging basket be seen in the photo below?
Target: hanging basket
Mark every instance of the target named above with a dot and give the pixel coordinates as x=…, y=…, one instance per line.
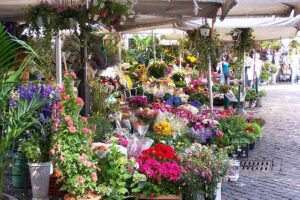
x=204, y=31
x=159, y=197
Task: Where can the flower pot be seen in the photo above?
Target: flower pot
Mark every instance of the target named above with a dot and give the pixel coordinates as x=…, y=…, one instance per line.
x=251, y=146
x=259, y=102
x=274, y=77
x=39, y=174
x=87, y=196
x=159, y=197
x=252, y=103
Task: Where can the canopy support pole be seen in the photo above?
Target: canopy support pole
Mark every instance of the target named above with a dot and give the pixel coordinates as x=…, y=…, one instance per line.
x=58, y=60
x=120, y=49
x=154, y=47
x=210, y=91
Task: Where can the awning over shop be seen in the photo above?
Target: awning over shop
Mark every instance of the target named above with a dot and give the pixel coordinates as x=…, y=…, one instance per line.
x=265, y=28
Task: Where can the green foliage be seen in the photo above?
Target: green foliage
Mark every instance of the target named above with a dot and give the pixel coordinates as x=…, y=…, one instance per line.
x=179, y=79
x=275, y=44
x=264, y=76
x=199, y=97
x=203, y=46
x=260, y=121
x=114, y=173
x=250, y=94
x=257, y=130
x=157, y=70
x=103, y=127
x=198, y=161
x=235, y=134
x=262, y=93
x=13, y=122
x=294, y=44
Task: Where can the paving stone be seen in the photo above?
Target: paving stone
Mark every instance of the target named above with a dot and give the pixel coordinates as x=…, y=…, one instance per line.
x=281, y=144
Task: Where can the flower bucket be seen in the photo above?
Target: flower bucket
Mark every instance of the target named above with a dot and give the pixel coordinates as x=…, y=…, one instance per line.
x=159, y=197
x=19, y=170
x=39, y=174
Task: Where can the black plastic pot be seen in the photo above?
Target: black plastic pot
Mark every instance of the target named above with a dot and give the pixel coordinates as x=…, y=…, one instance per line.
x=251, y=146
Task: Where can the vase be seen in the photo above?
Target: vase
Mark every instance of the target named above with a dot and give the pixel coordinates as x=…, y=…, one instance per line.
x=40, y=174
x=159, y=197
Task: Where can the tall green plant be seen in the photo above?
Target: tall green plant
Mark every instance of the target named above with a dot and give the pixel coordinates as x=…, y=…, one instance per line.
x=13, y=122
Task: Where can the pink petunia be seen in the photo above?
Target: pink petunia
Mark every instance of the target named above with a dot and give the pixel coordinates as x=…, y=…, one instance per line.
x=80, y=180
x=73, y=75
x=87, y=164
x=72, y=129
x=219, y=133
x=70, y=123
x=94, y=177
x=67, y=118
x=84, y=119
x=123, y=142
x=67, y=97
x=82, y=158
x=80, y=101
x=62, y=89
x=86, y=130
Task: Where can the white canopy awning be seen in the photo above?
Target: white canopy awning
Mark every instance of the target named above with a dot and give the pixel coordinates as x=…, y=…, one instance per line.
x=265, y=28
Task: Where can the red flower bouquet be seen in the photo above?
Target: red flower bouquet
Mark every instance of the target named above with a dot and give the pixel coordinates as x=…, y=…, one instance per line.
x=161, y=166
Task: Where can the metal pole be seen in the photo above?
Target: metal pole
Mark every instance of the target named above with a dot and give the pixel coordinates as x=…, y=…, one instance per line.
x=211, y=103
x=153, y=44
x=120, y=49
x=58, y=60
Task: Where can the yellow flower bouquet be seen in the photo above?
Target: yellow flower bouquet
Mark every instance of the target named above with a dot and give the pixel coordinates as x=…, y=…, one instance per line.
x=163, y=128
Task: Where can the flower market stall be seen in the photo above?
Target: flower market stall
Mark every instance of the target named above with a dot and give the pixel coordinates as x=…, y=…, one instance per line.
x=151, y=132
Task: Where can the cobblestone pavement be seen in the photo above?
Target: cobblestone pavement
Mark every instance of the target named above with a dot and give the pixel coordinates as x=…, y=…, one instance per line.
x=281, y=144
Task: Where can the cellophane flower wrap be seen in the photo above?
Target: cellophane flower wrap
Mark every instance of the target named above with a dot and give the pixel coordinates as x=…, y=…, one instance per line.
x=163, y=170
x=205, y=168
x=72, y=138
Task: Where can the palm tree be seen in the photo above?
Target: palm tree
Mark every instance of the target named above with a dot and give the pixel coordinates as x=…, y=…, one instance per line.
x=13, y=122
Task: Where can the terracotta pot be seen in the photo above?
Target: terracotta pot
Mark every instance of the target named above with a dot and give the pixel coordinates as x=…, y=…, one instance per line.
x=159, y=197
x=87, y=196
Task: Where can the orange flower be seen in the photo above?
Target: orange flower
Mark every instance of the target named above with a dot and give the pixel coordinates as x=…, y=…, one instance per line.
x=250, y=129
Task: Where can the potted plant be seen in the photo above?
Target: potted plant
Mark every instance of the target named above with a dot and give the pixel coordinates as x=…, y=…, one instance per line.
x=206, y=169
x=260, y=95
x=273, y=71
x=13, y=120
x=256, y=130
x=251, y=96
x=160, y=184
x=71, y=146
x=157, y=70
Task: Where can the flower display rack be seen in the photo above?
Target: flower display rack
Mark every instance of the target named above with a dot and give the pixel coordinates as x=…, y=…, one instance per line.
x=160, y=197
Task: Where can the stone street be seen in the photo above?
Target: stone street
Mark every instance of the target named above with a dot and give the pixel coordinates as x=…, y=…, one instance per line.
x=281, y=144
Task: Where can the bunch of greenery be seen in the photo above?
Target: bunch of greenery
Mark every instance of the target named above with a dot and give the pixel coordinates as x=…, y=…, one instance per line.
x=206, y=167
x=157, y=70
x=117, y=173
x=250, y=94
x=275, y=44
x=201, y=97
x=256, y=130
x=264, y=76
x=262, y=93
x=179, y=79
x=235, y=132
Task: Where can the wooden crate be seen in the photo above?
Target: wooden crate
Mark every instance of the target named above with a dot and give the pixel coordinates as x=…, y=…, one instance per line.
x=160, y=197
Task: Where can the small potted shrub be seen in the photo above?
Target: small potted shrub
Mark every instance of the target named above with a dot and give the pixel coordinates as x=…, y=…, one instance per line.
x=260, y=95
x=251, y=96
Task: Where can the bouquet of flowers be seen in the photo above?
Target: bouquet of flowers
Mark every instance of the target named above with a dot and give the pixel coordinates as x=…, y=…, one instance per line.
x=138, y=101
x=206, y=167
x=161, y=166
